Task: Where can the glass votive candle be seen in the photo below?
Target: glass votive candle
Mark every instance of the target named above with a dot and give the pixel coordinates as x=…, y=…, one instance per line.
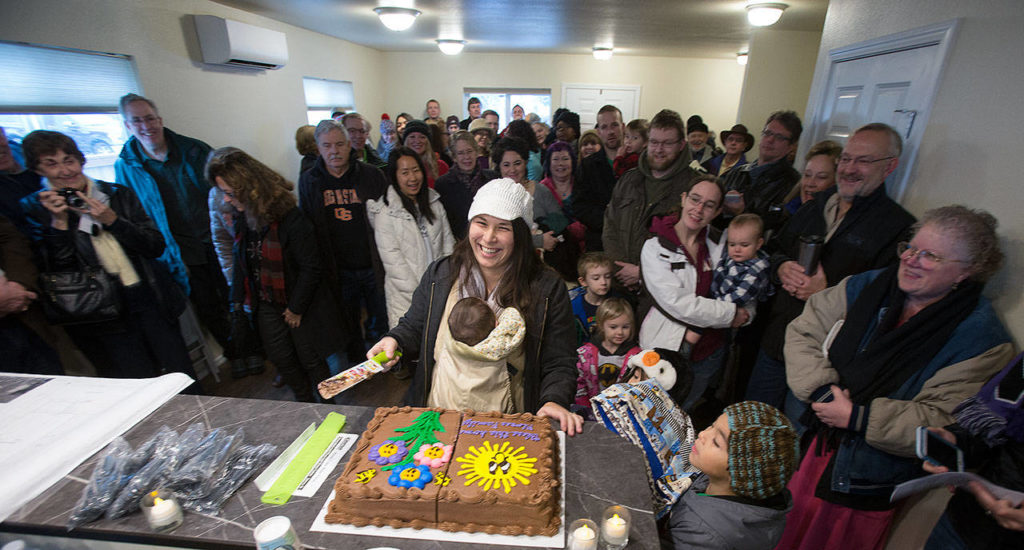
x=162, y=511
x=582, y=535
x=615, y=526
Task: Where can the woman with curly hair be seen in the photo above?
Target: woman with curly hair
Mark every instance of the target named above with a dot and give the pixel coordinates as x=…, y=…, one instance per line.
x=277, y=271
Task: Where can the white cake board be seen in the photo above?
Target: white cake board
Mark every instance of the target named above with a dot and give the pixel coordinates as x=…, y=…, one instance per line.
x=554, y=541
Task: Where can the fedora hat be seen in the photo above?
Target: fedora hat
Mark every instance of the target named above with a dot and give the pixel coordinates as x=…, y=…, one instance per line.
x=739, y=130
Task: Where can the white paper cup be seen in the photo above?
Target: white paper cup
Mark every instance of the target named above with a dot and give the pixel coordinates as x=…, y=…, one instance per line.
x=276, y=533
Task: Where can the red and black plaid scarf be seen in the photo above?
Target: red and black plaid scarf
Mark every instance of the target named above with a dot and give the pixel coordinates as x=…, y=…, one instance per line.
x=272, y=268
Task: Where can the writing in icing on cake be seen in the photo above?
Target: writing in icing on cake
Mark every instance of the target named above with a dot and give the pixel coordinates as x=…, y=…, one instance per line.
x=498, y=429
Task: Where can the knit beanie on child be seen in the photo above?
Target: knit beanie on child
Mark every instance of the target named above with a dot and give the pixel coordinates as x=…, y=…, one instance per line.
x=504, y=199
x=763, y=449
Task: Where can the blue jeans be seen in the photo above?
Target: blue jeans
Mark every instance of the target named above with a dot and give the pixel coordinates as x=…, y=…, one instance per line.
x=767, y=381
x=704, y=371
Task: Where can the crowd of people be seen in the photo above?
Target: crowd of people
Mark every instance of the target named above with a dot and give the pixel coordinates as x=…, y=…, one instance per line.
x=520, y=268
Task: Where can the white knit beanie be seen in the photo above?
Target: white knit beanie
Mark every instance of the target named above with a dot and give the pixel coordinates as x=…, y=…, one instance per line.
x=504, y=199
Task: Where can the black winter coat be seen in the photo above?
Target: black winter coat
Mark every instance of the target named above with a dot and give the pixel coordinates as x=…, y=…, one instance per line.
x=865, y=240
x=550, y=343
x=134, y=230
x=591, y=195
x=304, y=285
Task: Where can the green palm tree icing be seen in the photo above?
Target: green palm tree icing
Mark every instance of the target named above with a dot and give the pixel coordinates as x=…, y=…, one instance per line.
x=420, y=432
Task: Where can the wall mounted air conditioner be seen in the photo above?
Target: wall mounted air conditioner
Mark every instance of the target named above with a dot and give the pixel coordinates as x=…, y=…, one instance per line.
x=227, y=42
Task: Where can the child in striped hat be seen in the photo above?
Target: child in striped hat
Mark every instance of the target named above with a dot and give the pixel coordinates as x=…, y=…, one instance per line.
x=740, y=500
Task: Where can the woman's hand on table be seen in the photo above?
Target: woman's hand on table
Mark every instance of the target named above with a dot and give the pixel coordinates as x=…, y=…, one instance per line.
x=571, y=423
x=389, y=346
x=835, y=413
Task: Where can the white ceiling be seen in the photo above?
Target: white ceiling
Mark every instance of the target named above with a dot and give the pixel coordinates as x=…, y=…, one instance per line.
x=683, y=28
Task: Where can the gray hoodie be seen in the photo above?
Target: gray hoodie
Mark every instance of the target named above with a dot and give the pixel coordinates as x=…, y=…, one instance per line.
x=705, y=521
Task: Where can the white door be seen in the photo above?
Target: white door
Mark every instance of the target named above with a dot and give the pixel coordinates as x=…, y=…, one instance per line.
x=892, y=80
x=586, y=99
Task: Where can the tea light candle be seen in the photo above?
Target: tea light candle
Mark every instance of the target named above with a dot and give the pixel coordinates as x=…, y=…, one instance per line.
x=615, y=529
x=162, y=511
x=583, y=535
x=615, y=526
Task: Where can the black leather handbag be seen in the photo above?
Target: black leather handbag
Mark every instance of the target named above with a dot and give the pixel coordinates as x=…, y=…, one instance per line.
x=89, y=295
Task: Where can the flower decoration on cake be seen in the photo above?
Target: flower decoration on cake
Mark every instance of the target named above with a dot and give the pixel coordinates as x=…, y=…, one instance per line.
x=420, y=432
x=441, y=479
x=410, y=476
x=365, y=476
x=388, y=452
x=496, y=466
x=435, y=455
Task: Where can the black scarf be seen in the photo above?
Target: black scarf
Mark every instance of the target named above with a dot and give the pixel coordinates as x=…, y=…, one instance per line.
x=885, y=362
x=894, y=353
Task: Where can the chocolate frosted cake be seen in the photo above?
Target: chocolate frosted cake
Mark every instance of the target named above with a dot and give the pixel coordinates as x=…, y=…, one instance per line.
x=458, y=471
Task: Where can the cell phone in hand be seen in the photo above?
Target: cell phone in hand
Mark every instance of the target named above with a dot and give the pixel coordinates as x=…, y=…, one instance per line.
x=933, y=448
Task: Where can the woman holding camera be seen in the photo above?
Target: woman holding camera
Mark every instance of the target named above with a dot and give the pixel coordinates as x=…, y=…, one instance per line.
x=80, y=223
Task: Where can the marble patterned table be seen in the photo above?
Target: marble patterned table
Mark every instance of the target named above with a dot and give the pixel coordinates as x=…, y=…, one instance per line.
x=601, y=469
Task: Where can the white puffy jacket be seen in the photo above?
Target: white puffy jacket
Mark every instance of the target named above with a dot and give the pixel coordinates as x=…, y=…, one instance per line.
x=403, y=249
x=672, y=280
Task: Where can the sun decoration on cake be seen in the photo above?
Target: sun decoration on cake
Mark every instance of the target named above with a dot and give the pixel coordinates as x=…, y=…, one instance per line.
x=410, y=476
x=435, y=455
x=388, y=452
x=491, y=466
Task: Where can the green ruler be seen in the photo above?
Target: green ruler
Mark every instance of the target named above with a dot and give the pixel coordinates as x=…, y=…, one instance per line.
x=282, y=489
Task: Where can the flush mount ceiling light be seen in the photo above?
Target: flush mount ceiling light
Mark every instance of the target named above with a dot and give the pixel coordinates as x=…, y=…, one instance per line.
x=450, y=47
x=602, y=53
x=763, y=14
x=397, y=19
x=741, y=58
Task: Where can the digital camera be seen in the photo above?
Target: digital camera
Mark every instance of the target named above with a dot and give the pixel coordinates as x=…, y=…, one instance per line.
x=71, y=196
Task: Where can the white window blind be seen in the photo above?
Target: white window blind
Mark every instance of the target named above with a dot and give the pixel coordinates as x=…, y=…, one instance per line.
x=324, y=94
x=43, y=79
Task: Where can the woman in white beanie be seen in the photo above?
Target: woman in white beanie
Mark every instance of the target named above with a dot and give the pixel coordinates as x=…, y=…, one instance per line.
x=496, y=263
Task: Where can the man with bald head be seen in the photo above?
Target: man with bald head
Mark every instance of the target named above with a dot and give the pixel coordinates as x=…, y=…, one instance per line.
x=860, y=226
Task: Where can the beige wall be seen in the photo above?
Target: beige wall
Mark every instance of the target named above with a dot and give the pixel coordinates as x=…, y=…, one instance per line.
x=970, y=150
x=780, y=68
x=255, y=110
x=709, y=87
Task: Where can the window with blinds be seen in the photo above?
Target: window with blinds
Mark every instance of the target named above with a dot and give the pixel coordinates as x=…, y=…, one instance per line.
x=70, y=91
x=325, y=96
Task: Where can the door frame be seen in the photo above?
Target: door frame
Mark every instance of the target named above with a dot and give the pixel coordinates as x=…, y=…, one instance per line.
x=631, y=87
x=942, y=35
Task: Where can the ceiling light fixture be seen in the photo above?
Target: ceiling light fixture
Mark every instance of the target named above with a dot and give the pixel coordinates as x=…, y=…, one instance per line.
x=449, y=46
x=741, y=58
x=397, y=19
x=763, y=14
x=602, y=53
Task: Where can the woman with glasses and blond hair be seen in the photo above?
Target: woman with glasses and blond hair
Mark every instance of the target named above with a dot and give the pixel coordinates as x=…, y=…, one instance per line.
x=878, y=355
x=277, y=272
